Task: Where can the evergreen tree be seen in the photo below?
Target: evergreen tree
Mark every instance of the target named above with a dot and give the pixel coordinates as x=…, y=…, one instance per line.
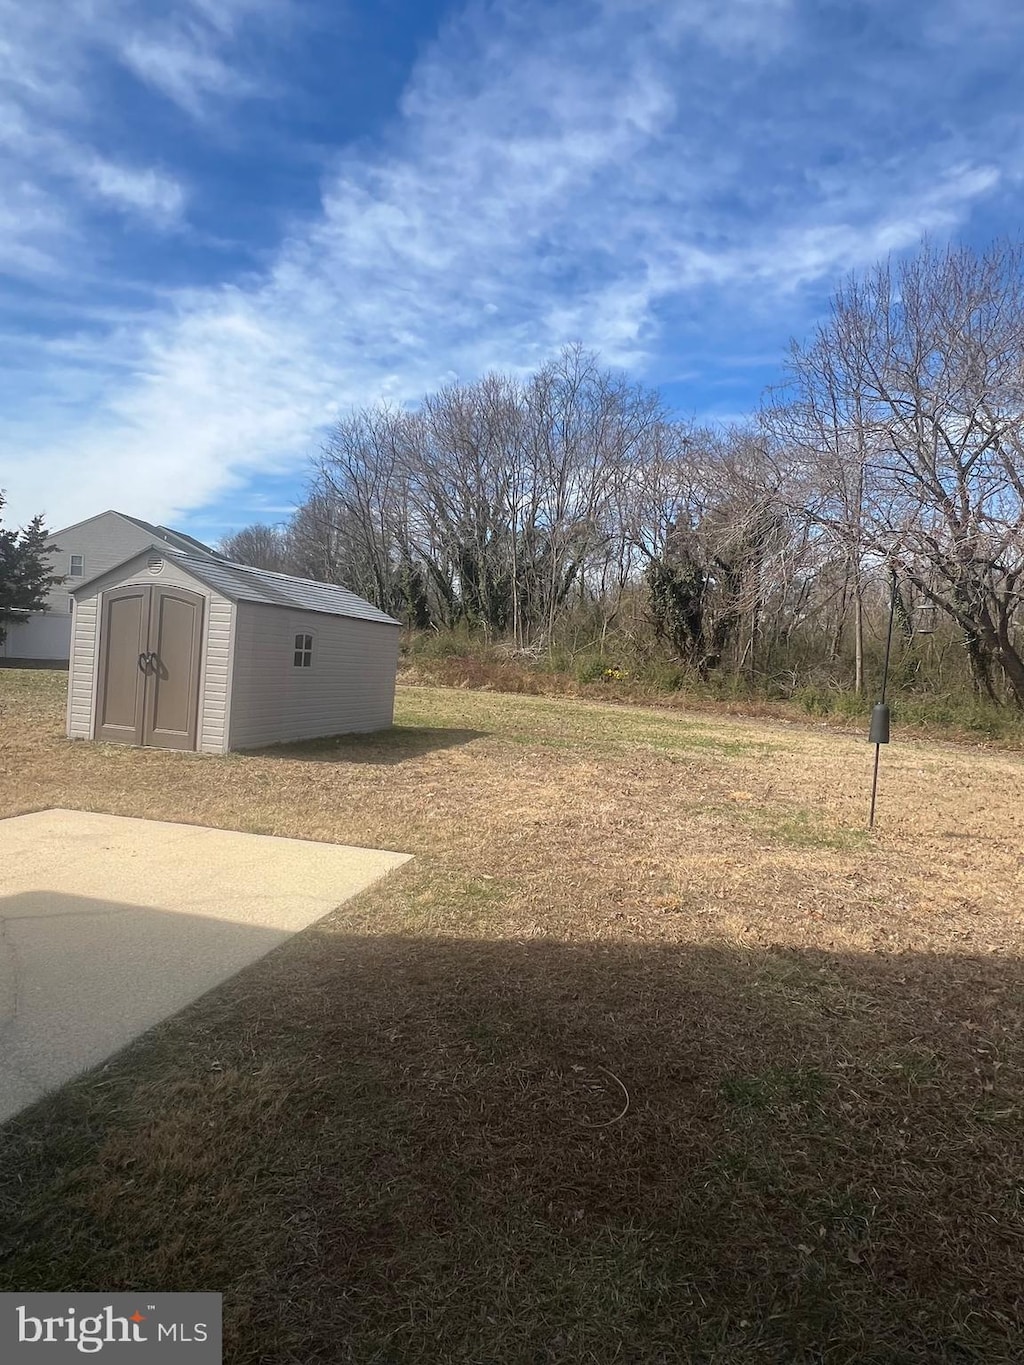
x=25, y=571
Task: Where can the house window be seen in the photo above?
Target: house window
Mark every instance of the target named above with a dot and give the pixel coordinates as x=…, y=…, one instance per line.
x=303, y=651
x=77, y=567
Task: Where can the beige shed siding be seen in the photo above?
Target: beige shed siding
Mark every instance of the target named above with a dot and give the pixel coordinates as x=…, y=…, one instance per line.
x=215, y=675
x=350, y=687
x=215, y=686
x=82, y=669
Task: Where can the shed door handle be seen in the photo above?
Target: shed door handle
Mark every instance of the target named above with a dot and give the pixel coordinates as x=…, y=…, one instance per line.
x=148, y=662
x=143, y=663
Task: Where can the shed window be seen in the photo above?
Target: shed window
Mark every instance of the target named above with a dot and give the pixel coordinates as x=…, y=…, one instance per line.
x=77, y=567
x=303, y=651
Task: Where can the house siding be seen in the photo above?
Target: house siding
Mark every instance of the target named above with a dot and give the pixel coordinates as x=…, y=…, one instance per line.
x=350, y=686
x=104, y=541
x=215, y=673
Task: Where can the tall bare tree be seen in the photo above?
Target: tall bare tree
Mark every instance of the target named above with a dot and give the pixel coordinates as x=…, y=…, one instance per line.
x=914, y=390
x=262, y=546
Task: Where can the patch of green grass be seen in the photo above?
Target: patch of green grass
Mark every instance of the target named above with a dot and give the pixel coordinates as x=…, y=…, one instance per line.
x=916, y=1067
x=774, y=1088
x=743, y=1169
x=442, y=900
x=799, y=827
x=536, y=722
x=920, y=1068
x=807, y=829
x=710, y=743
x=813, y=991
x=846, y=1212
x=681, y=742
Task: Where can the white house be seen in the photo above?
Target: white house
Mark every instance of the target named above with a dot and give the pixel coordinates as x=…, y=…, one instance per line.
x=190, y=651
x=79, y=552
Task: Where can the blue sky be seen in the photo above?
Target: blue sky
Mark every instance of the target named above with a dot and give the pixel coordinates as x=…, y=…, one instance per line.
x=223, y=222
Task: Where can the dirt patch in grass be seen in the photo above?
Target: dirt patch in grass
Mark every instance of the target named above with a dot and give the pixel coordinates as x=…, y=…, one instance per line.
x=401, y=1136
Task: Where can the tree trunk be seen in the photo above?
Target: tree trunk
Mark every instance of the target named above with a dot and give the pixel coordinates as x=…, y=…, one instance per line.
x=1013, y=667
x=858, y=637
x=981, y=667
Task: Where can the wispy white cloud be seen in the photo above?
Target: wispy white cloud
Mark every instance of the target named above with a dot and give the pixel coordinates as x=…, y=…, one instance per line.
x=598, y=171
x=183, y=65
x=755, y=28
x=188, y=54
x=158, y=197
x=31, y=226
x=812, y=251
x=52, y=78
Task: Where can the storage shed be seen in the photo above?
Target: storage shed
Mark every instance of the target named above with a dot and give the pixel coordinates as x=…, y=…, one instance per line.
x=182, y=651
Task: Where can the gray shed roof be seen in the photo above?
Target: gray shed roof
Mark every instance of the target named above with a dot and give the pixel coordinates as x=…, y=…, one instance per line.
x=245, y=584
x=241, y=583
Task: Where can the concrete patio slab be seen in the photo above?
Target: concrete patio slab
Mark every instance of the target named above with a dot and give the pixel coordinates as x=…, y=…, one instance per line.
x=109, y=924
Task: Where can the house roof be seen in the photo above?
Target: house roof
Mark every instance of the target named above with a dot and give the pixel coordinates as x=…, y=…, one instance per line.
x=177, y=539
x=241, y=583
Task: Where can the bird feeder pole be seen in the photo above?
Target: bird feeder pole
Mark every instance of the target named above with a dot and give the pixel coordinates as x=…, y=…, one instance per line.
x=879, y=733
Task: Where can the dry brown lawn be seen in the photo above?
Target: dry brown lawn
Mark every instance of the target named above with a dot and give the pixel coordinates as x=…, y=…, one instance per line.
x=405, y=1135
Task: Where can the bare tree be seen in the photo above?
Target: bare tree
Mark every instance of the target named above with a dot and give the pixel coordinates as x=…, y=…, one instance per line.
x=501, y=501
x=915, y=389
x=547, y=508
x=262, y=546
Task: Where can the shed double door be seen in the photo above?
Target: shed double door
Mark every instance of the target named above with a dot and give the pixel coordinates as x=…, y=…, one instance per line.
x=150, y=639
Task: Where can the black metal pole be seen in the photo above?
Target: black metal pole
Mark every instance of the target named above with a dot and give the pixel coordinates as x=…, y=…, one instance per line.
x=874, y=788
x=885, y=686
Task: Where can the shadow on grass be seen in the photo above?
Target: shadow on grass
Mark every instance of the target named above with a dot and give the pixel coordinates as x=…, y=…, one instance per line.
x=401, y=1149
x=395, y=745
